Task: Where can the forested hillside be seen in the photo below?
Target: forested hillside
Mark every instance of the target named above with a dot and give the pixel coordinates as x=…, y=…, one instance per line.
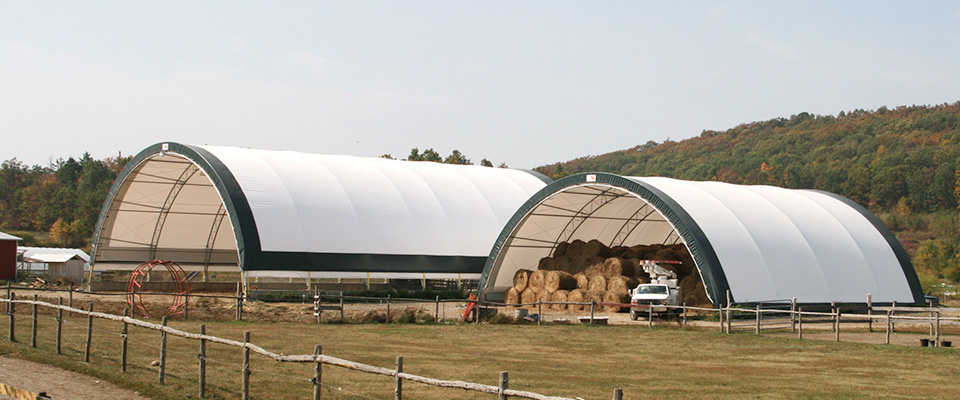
x=56, y=205
x=901, y=163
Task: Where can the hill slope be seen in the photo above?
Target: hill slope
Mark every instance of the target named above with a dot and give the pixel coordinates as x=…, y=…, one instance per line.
x=901, y=163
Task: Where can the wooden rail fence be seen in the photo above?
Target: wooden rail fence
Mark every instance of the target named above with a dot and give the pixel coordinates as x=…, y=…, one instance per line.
x=318, y=359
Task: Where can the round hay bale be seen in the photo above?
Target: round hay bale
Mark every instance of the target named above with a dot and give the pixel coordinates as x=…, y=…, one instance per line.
x=520, y=279
x=575, y=248
x=559, y=296
x=561, y=249
x=527, y=297
x=622, y=283
x=598, y=283
x=547, y=264
x=544, y=296
x=576, y=296
x=596, y=296
x=512, y=296
x=613, y=296
x=591, y=261
x=583, y=282
x=559, y=280
x=536, y=281
x=595, y=269
x=595, y=248
x=615, y=266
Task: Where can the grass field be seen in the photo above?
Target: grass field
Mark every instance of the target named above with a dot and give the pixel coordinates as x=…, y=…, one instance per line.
x=561, y=360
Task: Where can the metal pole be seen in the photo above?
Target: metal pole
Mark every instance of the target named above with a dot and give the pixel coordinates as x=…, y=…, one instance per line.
x=539, y=311
x=758, y=319
x=800, y=323
x=838, y=323
x=203, y=362
x=341, y=307
x=437, y=312
x=722, y=326
x=617, y=394
x=793, y=315
x=937, y=340
x=889, y=324
x=870, y=312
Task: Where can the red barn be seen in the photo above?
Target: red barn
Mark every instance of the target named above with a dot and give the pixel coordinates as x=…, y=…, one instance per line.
x=8, y=256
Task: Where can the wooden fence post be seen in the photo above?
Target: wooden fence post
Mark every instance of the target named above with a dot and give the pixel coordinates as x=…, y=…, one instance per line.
x=833, y=310
x=793, y=315
x=203, y=362
x=720, y=313
x=86, y=352
x=163, y=349
x=504, y=383
x=800, y=322
x=70, y=301
x=318, y=372
x=684, y=313
x=893, y=327
x=9, y=287
x=437, y=312
x=186, y=306
x=123, y=342
x=398, y=385
x=33, y=340
x=341, y=307
x=592, y=304
x=937, y=332
x=758, y=319
x=870, y=312
x=837, y=316
x=539, y=311
x=239, y=303
x=59, y=324
x=12, y=309
x=388, y=308
x=617, y=394
x=729, y=306
x=889, y=324
x=246, y=367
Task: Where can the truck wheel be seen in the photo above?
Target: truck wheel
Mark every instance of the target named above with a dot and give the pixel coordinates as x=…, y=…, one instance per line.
x=634, y=316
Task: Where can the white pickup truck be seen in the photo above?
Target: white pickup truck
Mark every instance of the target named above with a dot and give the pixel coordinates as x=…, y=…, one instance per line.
x=655, y=296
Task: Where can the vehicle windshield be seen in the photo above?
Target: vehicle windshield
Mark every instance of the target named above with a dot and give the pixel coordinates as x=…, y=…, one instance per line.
x=654, y=289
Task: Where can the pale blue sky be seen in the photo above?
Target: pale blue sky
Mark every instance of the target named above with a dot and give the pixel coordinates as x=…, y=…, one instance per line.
x=527, y=83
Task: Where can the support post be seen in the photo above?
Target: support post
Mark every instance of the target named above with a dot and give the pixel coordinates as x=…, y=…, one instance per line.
x=893, y=311
x=33, y=335
x=239, y=303
x=729, y=305
x=539, y=311
x=837, y=323
x=649, y=315
x=59, y=325
x=163, y=349
x=123, y=342
x=889, y=324
x=869, y=313
x=388, y=308
x=341, y=307
x=246, y=367
x=684, y=314
x=186, y=306
x=11, y=310
x=437, y=312
x=70, y=300
x=592, y=306
x=833, y=309
x=202, y=379
x=937, y=332
x=758, y=319
x=617, y=394
x=317, y=371
x=793, y=315
x=86, y=352
x=722, y=326
x=398, y=383
x=800, y=322
x=504, y=383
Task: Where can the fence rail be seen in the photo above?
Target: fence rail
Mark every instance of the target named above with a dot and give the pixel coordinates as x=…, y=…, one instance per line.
x=502, y=391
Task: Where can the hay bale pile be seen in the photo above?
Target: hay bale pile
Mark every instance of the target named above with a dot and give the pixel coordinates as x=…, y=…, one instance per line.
x=580, y=271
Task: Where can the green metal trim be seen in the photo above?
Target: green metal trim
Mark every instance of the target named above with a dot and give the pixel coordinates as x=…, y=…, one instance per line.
x=235, y=202
x=704, y=256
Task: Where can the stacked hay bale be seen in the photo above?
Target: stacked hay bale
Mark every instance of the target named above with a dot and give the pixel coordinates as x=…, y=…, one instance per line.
x=579, y=272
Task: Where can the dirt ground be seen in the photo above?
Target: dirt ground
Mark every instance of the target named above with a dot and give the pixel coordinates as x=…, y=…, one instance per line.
x=57, y=383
